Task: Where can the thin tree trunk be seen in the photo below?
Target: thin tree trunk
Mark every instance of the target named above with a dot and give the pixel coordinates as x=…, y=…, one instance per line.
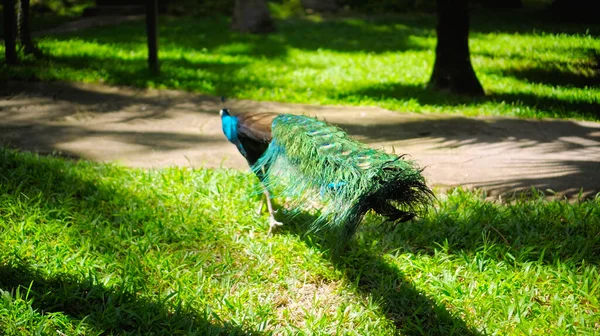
x=252, y=16
x=453, y=70
x=152, y=32
x=10, y=25
x=24, y=29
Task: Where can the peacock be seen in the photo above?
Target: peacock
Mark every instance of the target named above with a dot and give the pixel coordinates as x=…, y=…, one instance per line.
x=313, y=164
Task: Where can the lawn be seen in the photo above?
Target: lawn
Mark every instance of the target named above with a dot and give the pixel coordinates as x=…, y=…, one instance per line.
x=93, y=249
x=97, y=249
x=530, y=64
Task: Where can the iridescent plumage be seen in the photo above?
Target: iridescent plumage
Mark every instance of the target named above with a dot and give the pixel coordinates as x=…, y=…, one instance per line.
x=309, y=161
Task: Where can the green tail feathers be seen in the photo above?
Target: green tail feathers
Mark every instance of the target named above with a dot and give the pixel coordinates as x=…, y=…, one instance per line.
x=314, y=163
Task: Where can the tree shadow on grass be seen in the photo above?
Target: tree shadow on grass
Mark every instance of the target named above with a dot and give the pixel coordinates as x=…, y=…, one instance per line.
x=411, y=310
x=214, y=34
x=210, y=77
x=57, y=191
x=375, y=34
x=560, y=107
x=585, y=74
x=528, y=21
x=556, y=77
x=529, y=230
x=118, y=309
x=107, y=310
x=358, y=35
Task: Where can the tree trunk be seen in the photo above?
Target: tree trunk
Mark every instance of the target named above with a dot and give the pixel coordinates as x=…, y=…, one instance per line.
x=320, y=5
x=152, y=34
x=10, y=25
x=24, y=29
x=453, y=70
x=252, y=16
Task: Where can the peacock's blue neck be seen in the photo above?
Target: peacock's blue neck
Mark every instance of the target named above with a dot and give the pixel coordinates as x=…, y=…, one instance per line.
x=229, y=124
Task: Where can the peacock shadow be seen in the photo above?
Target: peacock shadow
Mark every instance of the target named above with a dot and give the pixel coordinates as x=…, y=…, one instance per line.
x=364, y=266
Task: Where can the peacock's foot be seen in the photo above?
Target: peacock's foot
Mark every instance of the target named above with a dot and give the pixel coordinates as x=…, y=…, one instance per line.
x=273, y=223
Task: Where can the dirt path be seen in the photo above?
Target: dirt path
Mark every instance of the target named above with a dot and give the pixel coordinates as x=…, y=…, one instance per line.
x=156, y=128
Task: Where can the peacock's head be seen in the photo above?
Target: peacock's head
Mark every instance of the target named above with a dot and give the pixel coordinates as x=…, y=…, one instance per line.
x=224, y=112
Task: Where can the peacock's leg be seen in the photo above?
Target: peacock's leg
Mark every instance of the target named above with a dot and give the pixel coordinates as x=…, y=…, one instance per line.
x=273, y=223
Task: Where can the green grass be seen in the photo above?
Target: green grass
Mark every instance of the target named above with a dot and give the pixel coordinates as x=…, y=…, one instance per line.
x=98, y=249
x=529, y=65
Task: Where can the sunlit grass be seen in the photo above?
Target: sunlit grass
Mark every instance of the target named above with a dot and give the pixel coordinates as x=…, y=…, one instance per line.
x=99, y=249
x=526, y=65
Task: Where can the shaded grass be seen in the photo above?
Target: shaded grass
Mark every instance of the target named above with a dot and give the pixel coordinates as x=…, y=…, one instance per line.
x=99, y=249
x=46, y=14
x=529, y=64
